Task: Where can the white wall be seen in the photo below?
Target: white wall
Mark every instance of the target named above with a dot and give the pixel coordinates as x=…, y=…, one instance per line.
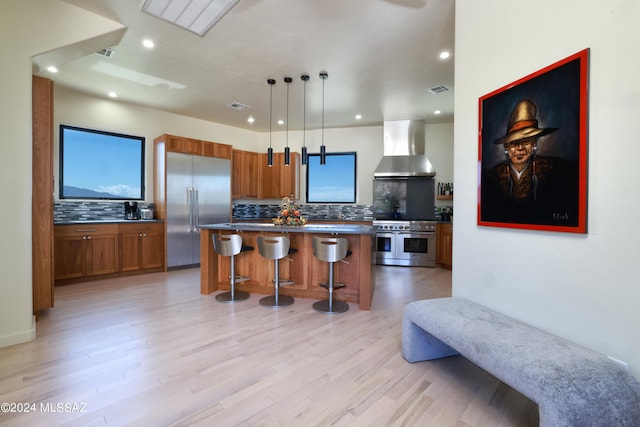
x=581, y=287
x=439, y=151
x=22, y=35
x=78, y=109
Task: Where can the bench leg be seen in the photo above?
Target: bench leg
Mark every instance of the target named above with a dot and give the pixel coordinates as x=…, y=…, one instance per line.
x=419, y=345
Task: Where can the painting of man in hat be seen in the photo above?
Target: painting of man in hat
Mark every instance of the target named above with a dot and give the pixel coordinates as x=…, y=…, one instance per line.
x=533, y=151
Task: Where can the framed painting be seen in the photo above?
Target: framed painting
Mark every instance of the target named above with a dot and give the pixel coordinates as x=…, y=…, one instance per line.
x=532, y=155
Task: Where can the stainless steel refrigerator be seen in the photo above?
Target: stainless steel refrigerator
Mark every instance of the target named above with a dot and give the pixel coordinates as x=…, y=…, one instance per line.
x=198, y=192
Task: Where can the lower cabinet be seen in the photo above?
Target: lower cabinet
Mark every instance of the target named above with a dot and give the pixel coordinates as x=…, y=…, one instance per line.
x=85, y=250
x=91, y=250
x=141, y=246
x=444, y=249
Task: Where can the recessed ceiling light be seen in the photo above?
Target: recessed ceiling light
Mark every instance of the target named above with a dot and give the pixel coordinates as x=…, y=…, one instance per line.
x=444, y=54
x=251, y=119
x=113, y=95
x=52, y=69
x=280, y=122
x=436, y=112
x=358, y=116
x=148, y=43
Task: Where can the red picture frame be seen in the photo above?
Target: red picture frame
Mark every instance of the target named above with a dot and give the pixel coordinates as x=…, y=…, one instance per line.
x=532, y=150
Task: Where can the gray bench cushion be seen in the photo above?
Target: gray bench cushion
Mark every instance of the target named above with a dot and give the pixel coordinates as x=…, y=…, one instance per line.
x=573, y=386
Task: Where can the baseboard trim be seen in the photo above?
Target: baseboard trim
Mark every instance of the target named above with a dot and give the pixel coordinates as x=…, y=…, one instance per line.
x=20, y=337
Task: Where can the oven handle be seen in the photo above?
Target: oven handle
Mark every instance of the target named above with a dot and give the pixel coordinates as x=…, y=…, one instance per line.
x=418, y=233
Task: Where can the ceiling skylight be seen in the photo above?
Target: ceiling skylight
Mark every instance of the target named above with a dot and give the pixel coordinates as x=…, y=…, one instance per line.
x=197, y=16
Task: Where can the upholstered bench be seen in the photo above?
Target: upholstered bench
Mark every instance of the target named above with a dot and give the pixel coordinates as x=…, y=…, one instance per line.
x=573, y=386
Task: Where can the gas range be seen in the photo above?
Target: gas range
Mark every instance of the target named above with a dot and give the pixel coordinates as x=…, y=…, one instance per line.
x=401, y=225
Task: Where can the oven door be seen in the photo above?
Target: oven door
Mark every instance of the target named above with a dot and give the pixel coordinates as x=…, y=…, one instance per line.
x=385, y=248
x=416, y=248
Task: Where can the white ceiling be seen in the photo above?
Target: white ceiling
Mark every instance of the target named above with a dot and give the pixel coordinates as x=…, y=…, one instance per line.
x=381, y=57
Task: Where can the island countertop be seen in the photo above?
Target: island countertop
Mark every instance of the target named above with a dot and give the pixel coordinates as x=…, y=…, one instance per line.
x=307, y=228
x=303, y=268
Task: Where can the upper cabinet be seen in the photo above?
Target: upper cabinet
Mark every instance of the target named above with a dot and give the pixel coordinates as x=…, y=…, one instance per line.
x=245, y=174
x=179, y=144
x=214, y=149
x=278, y=181
x=253, y=178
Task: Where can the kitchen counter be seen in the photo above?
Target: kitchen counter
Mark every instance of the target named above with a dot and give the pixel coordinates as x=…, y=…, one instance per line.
x=108, y=221
x=304, y=268
x=312, y=227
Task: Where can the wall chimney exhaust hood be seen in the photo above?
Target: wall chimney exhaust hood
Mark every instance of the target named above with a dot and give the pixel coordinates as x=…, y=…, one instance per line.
x=404, y=151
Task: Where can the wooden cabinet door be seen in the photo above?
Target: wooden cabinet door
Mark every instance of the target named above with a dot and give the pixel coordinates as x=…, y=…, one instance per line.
x=71, y=257
x=270, y=176
x=152, y=247
x=289, y=177
x=279, y=180
x=141, y=246
x=177, y=144
x=251, y=176
x=129, y=250
x=444, y=242
x=85, y=250
x=214, y=149
x=245, y=174
x=103, y=254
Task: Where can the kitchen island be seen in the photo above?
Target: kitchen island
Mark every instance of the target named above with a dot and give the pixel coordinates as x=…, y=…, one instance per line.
x=301, y=267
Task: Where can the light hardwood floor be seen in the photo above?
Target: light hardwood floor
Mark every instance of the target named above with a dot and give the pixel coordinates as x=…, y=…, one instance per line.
x=150, y=350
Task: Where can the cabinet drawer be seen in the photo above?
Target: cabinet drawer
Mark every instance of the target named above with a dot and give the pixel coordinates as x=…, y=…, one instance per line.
x=85, y=230
x=156, y=227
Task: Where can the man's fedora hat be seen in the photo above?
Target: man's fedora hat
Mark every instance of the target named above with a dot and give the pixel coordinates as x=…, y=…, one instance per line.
x=523, y=124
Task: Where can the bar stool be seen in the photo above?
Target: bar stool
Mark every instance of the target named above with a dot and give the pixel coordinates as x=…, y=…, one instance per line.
x=231, y=245
x=331, y=250
x=275, y=248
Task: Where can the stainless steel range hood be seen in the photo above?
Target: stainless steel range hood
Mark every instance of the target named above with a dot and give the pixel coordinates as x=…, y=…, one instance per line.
x=404, y=151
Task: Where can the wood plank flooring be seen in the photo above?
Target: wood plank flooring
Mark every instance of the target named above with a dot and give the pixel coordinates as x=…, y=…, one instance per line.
x=150, y=350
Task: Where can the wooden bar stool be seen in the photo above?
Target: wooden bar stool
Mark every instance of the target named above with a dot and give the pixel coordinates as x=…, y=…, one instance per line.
x=331, y=250
x=275, y=248
x=231, y=245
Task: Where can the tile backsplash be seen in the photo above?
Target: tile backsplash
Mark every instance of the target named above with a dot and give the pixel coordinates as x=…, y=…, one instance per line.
x=65, y=211
x=334, y=212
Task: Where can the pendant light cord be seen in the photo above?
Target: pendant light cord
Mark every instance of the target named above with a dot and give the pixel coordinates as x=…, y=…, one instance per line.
x=270, y=112
x=323, y=79
x=304, y=111
x=287, y=81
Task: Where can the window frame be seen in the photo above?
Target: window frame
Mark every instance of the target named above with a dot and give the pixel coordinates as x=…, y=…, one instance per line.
x=312, y=163
x=139, y=139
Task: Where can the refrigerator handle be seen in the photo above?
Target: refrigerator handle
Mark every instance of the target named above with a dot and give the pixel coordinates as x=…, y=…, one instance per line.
x=196, y=210
x=190, y=207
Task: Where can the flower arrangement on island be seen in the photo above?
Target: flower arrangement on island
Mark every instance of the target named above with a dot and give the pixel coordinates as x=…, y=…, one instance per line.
x=289, y=213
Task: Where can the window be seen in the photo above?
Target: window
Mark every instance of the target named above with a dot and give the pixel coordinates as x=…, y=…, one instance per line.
x=100, y=165
x=333, y=182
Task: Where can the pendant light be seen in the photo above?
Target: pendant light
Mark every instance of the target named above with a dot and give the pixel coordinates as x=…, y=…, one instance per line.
x=323, y=150
x=305, y=79
x=270, y=150
x=287, y=152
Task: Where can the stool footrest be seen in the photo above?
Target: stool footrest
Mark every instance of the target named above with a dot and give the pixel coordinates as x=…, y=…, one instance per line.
x=240, y=279
x=335, y=285
x=286, y=283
